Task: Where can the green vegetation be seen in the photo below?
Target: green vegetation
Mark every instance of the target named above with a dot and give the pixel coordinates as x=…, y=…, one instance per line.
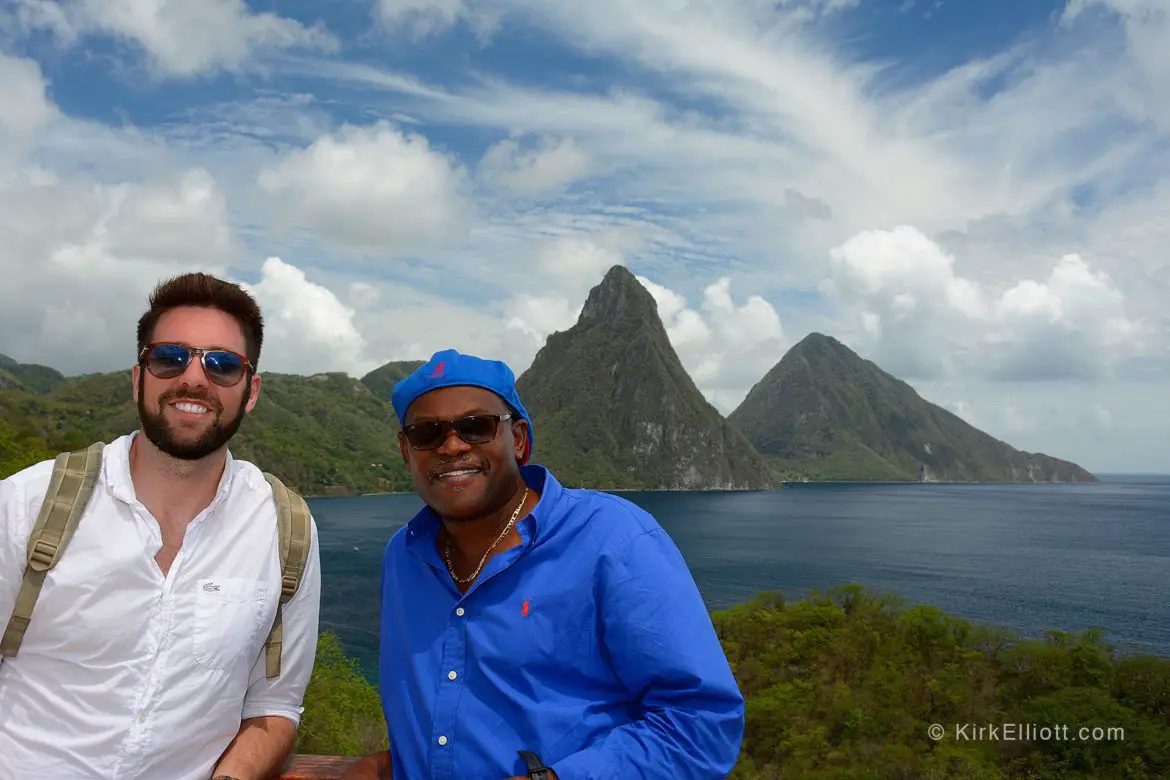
x=343, y=714
x=614, y=408
x=19, y=448
x=845, y=685
x=824, y=413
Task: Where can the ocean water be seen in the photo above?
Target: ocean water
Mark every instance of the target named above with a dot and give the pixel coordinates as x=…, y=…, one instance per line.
x=1026, y=557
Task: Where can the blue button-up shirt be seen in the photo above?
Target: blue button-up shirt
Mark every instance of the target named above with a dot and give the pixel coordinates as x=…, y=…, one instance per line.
x=587, y=644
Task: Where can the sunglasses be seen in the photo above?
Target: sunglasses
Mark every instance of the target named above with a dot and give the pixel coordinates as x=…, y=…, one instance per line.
x=473, y=429
x=167, y=361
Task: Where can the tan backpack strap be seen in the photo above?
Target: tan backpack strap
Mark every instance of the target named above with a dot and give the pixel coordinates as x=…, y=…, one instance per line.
x=70, y=487
x=293, y=531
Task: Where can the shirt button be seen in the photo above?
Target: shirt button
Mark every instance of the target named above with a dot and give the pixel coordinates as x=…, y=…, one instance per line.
x=459, y=611
x=451, y=675
x=442, y=740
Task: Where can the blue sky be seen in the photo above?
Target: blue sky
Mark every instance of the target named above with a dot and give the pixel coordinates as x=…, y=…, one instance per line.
x=974, y=195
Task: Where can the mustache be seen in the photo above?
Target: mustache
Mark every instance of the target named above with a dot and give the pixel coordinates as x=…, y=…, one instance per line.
x=433, y=474
x=195, y=397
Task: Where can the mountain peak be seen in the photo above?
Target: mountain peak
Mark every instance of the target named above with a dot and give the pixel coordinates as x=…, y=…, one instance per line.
x=618, y=408
x=619, y=296
x=28, y=376
x=825, y=411
x=819, y=344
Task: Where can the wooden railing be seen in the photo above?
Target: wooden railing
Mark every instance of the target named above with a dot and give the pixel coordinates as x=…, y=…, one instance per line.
x=316, y=768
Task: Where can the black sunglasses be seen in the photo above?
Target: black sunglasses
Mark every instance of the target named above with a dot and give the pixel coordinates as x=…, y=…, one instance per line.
x=473, y=429
x=167, y=361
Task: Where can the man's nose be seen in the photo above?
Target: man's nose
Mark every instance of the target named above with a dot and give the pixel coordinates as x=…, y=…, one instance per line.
x=452, y=444
x=194, y=374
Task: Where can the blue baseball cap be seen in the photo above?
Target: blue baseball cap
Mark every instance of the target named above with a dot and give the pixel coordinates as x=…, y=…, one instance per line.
x=450, y=368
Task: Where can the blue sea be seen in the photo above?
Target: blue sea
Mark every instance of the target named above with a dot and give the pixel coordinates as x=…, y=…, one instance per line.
x=1026, y=557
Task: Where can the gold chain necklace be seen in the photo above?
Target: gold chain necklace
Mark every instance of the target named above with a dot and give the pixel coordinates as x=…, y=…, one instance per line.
x=483, y=560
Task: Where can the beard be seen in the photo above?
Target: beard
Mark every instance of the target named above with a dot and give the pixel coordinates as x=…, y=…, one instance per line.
x=162, y=435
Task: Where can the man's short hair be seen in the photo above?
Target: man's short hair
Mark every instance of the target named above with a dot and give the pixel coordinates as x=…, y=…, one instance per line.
x=205, y=290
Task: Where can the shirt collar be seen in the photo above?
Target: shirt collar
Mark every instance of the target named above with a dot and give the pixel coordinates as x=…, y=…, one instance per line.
x=116, y=468
x=423, y=528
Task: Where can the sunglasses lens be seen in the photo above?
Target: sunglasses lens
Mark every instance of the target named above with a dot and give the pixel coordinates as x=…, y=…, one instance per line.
x=476, y=430
x=223, y=368
x=430, y=434
x=167, y=360
x=425, y=435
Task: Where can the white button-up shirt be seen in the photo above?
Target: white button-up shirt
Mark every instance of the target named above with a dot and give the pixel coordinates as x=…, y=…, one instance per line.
x=126, y=674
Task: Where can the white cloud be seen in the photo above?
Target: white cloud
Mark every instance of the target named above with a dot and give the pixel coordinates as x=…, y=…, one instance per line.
x=180, y=38
x=550, y=165
x=1146, y=26
x=408, y=323
x=364, y=294
x=539, y=316
x=725, y=347
x=574, y=264
x=422, y=18
x=554, y=285
x=24, y=107
x=185, y=219
x=925, y=321
x=307, y=329
x=1009, y=135
x=372, y=188
x=79, y=258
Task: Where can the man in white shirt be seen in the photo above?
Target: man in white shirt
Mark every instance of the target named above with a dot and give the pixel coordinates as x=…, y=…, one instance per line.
x=145, y=656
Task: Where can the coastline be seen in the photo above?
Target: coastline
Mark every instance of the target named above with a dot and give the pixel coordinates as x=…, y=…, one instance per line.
x=782, y=485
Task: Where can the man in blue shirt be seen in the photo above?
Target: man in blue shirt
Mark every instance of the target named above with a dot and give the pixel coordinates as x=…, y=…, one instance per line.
x=519, y=615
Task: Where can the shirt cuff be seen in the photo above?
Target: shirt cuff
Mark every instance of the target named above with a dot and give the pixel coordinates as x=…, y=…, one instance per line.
x=263, y=710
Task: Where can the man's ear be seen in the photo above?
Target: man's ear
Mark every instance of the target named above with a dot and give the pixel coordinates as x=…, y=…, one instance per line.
x=253, y=393
x=520, y=439
x=135, y=375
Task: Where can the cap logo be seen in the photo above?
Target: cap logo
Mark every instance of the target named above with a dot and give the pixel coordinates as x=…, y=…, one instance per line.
x=439, y=369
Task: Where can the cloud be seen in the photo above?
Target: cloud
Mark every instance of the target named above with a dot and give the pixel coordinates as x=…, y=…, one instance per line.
x=725, y=347
x=24, y=106
x=923, y=320
x=423, y=18
x=550, y=165
x=77, y=255
x=372, y=188
x=1146, y=27
x=540, y=316
x=574, y=264
x=754, y=94
x=554, y=285
x=307, y=329
x=180, y=39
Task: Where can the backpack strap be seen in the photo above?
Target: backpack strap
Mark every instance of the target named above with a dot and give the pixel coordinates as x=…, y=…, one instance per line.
x=74, y=475
x=293, y=531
